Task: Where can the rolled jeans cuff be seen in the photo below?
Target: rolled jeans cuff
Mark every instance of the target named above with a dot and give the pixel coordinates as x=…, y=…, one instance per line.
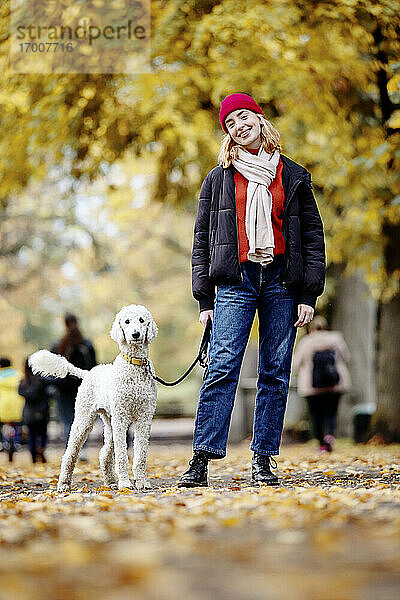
x=265, y=452
x=211, y=452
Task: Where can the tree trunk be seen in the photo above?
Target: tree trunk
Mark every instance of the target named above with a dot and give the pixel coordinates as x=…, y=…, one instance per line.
x=354, y=314
x=387, y=417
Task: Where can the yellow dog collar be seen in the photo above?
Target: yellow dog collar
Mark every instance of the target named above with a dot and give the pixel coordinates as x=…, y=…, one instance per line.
x=141, y=362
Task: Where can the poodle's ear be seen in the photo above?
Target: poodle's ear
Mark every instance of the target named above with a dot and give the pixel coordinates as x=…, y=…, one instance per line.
x=152, y=331
x=116, y=332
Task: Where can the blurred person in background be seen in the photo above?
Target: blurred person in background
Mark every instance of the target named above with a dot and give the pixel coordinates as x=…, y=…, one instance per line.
x=80, y=352
x=259, y=238
x=36, y=412
x=320, y=359
x=11, y=406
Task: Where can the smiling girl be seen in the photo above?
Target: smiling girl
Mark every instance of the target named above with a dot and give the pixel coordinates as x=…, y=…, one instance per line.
x=259, y=238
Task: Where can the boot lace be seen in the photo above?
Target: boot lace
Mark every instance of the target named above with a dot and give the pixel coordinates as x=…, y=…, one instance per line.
x=267, y=461
x=197, y=464
x=198, y=461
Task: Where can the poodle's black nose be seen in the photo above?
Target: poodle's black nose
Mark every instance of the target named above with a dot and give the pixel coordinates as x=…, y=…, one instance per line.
x=136, y=335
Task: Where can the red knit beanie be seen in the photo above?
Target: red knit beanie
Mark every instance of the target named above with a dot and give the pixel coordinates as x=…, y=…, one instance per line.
x=235, y=101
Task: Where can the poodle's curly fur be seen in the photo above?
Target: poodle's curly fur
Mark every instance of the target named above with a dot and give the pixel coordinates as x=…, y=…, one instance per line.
x=120, y=392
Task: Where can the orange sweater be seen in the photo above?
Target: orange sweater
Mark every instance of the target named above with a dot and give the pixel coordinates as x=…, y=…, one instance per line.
x=278, y=200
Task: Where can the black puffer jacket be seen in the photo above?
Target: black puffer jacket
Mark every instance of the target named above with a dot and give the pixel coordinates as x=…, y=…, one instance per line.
x=215, y=255
x=82, y=356
x=36, y=407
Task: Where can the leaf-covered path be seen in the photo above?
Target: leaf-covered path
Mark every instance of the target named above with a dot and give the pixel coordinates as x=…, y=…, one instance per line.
x=331, y=530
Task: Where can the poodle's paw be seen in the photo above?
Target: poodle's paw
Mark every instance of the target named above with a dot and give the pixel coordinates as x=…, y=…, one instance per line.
x=125, y=484
x=63, y=487
x=111, y=484
x=142, y=484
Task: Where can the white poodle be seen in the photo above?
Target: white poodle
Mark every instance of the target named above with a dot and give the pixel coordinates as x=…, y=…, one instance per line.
x=122, y=393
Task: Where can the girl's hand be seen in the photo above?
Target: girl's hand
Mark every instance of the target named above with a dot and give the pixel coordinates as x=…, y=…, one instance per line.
x=204, y=316
x=305, y=314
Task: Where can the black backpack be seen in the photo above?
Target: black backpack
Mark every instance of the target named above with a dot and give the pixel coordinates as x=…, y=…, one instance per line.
x=325, y=373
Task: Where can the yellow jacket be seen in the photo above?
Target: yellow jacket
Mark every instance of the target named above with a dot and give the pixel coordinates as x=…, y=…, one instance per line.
x=11, y=403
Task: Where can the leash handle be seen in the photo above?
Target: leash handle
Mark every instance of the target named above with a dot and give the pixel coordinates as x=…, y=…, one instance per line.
x=201, y=357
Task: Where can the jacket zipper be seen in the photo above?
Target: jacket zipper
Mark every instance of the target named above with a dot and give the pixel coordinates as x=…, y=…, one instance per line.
x=292, y=193
x=237, y=242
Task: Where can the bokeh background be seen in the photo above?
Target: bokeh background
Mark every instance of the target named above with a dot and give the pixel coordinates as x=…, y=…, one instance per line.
x=100, y=176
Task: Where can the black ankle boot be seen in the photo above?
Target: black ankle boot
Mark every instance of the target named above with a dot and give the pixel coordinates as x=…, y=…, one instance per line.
x=196, y=475
x=261, y=470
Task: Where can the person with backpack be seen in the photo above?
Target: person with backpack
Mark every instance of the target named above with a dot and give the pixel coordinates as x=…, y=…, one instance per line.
x=36, y=412
x=259, y=240
x=320, y=360
x=80, y=352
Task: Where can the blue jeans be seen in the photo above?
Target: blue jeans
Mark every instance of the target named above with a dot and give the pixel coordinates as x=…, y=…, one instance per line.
x=66, y=411
x=37, y=437
x=234, y=310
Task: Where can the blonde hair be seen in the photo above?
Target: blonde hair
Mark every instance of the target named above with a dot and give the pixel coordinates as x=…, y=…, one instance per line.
x=269, y=138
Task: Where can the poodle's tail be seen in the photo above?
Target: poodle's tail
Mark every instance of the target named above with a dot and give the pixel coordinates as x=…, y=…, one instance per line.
x=46, y=363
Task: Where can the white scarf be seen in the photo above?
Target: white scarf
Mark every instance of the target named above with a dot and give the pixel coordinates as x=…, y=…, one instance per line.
x=260, y=170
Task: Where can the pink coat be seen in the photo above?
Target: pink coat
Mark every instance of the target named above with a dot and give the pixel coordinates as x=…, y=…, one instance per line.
x=303, y=363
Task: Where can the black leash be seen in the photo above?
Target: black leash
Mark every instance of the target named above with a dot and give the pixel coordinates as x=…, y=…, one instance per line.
x=201, y=358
